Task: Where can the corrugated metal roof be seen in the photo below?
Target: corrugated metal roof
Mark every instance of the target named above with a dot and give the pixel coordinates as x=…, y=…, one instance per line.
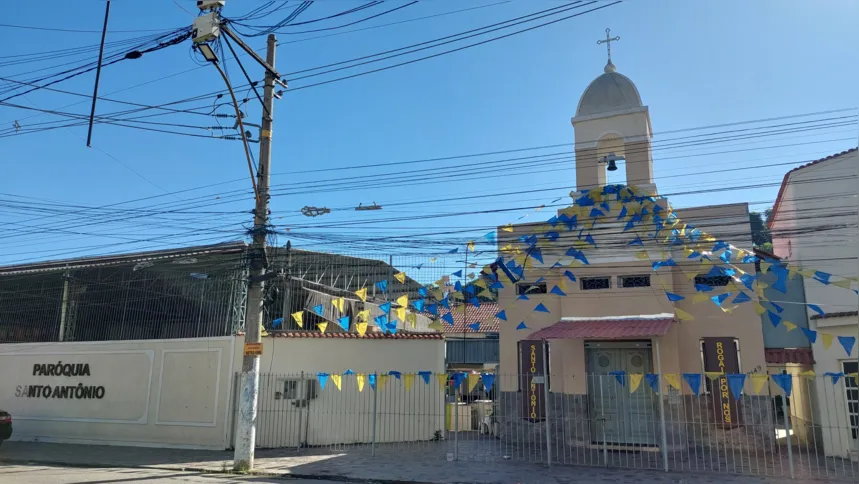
x=605, y=329
x=780, y=356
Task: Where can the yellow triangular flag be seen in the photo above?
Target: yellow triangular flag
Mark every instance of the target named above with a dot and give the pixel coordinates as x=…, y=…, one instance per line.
x=845, y=283
x=401, y=313
x=807, y=272
x=322, y=327
x=299, y=318
x=362, y=294
x=683, y=315
x=758, y=382
x=713, y=374
x=400, y=277
x=507, y=228
x=336, y=379
x=641, y=255
x=854, y=376
x=808, y=374
x=403, y=300
x=826, y=339
x=412, y=319
x=691, y=275
x=765, y=266
x=262, y=330
x=700, y=297
x=473, y=378
x=442, y=380
x=360, y=377
x=363, y=315
x=470, y=245
x=436, y=325
x=634, y=381
x=381, y=380
x=361, y=328
x=729, y=310
x=760, y=309
x=673, y=380
x=339, y=303
x=480, y=283
x=409, y=380
x=790, y=326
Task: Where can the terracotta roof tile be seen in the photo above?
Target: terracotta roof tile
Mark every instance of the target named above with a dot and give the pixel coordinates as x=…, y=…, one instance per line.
x=341, y=335
x=787, y=175
x=605, y=329
x=780, y=356
x=485, y=315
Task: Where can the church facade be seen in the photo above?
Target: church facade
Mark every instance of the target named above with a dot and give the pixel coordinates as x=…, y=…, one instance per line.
x=616, y=305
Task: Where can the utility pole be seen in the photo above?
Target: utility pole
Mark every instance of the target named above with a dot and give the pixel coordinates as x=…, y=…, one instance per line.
x=243, y=459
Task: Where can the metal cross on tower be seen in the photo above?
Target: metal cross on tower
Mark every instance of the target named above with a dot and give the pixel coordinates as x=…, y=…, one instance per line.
x=608, y=40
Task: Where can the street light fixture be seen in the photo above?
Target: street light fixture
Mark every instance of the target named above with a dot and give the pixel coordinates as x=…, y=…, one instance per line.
x=208, y=52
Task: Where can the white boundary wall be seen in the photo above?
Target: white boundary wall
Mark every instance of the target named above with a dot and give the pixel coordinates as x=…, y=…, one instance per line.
x=164, y=393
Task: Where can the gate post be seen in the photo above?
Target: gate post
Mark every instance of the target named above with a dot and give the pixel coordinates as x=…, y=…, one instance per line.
x=298, y=444
x=375, y=392
x=787, y=432
x=661, y=406
x=546, y=412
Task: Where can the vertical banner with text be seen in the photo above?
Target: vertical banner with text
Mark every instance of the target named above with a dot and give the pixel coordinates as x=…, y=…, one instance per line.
x=532, y=379
x=721, y=356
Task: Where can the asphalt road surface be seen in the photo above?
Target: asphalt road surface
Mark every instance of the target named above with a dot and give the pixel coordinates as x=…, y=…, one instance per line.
x=36, y=474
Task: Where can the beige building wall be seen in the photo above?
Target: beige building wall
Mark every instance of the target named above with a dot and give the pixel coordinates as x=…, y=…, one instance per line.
x=164, y=393
x=346, y=415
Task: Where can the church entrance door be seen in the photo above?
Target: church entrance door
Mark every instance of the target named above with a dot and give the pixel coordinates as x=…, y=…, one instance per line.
x=619, y=417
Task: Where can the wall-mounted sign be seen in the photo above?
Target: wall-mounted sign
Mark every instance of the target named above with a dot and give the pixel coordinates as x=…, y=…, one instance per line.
x=720, y=355
x=531, y=380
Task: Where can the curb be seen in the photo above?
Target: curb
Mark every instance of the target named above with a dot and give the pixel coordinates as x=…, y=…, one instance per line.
x=203, y=470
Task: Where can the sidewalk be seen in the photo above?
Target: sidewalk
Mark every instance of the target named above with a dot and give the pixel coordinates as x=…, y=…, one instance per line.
x=389, y=465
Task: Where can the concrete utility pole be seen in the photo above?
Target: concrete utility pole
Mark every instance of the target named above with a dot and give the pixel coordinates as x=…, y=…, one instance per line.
x=243, y=459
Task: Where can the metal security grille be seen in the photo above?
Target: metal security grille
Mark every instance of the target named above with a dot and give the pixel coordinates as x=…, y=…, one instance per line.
x=592, y=283
x=634, y=281
x=528, y=288
x=852, y=394
x=714, y=281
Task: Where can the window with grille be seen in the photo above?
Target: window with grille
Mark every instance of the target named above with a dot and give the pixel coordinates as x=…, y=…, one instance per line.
x=714, y=281
x=529, y=288
x=634, y=281
x=593, y=283
x=852, y=392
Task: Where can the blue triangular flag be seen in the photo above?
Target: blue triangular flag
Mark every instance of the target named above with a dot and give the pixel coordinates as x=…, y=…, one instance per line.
x=747, y=280
x=674, y=297
x=381, y=321
x=488, y=380
x=502, y=315
x=590, y=239
x=382, y=285
x=720, y=298
x=474, y=302
x=457, y=286
x=541, y=309
x=523, y=297
x=741, y=298
x=539, y=280
x=457, y=273
x=570, y=276
x=445, y=303
x=778, y=308
x=736, y=381
x=474, y=326
x=537, y=254
x=620, y=376
x=323, y=379
x=521, y=325
x=557, y=290
x=385, y=308
x=419, y=304
x=448, y=318
x=816, y=309
x=694, y=382
x=318, y=309
x=622, y=213
x=653, y=381
x=372, y=379
x=835, y=376
x=784, y=381
x=349, y=372
x=822, y=277
x=458, y=378
x=344, y=323
x=703, y=287
x=396, y=374
x=775, y=319
x=636, y=241
x=422, y=292
x=425, y=376
x=453, y=251
x=496, y=285
x=491, y=236
x=810, y=334
x=277, y=322
x=433, y=309
x=392, y=327
x=847, y=343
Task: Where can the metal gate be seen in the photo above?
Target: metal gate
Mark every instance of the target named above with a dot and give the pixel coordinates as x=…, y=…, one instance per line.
x=621, y=416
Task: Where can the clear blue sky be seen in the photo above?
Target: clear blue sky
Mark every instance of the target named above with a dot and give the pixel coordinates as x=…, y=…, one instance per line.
x=695, y=64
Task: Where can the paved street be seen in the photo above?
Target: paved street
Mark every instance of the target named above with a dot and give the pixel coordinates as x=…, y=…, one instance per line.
x=20, y=474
